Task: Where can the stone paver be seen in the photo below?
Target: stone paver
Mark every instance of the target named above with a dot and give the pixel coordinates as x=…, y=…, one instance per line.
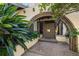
x=50, y=49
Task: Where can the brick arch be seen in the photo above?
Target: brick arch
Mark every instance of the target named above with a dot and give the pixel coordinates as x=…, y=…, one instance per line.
x=72, y=41
x=43, y=14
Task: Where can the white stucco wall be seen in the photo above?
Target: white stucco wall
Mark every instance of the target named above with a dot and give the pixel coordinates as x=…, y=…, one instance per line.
x=21, y=12
x=64, y=29
x=35, y=26
x=30, y=13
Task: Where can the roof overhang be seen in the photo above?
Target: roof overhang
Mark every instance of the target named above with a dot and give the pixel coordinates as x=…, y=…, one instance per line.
x=25, y=5
x=21, y=5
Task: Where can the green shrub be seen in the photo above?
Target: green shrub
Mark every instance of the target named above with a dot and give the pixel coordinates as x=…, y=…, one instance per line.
x=13, y=30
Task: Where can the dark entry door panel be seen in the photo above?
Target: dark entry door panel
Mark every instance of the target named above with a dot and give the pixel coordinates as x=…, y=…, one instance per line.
x=49, y=30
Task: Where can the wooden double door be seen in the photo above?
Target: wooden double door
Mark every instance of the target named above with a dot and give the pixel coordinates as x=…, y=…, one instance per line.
x=49, y=30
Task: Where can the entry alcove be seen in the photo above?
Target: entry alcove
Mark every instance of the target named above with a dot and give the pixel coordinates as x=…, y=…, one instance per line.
x=46, y=27
x=67, y=20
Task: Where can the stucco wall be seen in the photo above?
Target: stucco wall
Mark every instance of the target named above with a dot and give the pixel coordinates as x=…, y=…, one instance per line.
x=30, y=13
x=21, y=12
x=35, y=26
x=64, y=29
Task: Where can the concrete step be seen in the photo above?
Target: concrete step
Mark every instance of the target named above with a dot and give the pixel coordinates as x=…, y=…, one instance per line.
x=48, y=40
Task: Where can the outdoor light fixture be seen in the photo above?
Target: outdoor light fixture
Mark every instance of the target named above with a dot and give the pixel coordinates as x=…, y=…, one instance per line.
x=48, y=30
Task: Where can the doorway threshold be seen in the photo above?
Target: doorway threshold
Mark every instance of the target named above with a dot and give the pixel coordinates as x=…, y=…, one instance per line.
x=48, y=40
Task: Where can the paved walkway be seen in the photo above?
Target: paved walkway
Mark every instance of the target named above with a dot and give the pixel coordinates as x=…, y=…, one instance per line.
x=50, y=49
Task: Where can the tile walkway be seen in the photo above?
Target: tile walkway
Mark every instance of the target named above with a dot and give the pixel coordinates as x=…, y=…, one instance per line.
x=50, y=49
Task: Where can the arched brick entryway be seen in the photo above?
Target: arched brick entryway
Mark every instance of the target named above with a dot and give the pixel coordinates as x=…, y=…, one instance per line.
x=72, y=40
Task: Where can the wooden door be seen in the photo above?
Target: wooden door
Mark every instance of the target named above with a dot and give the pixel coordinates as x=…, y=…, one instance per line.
x=49, y=30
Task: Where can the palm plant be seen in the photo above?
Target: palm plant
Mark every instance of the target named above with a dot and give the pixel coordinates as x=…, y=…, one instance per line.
x=13, y=30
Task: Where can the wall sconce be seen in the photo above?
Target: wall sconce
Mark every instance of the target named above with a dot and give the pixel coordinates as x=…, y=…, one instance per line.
x=24, y=11
x=48, y=30
x=33, y=9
